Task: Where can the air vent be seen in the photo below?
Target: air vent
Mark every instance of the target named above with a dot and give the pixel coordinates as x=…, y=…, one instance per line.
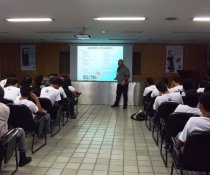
x=54, y=32
x=124, y=39
x=4, y=32
x=185, y=32
x=136, y=32
x=65, y=39
x=171, y=18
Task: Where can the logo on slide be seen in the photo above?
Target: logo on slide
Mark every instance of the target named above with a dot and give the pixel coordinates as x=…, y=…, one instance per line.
x=98, y=74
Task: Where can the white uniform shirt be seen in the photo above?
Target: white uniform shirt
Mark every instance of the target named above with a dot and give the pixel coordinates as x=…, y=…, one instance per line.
x=149, y=89
x=170, y=97
x=155, y=92
x=30, y=104
x=178, y=88
x=11, y=92
x=62, y=92
x=4, y=116
x=51, y=93
x=71, y=88
x=195, y=124
x=200, y=90
x=3, y=82
x=188, y=109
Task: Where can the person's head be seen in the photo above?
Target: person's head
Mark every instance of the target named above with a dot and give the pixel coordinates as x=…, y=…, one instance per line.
x=207, y=89
x=1, y=94
x=191, y=98
x=11, y=81
x=165, y=80
x=39, y=80
x=204, y=103
x=56, y=82
x=25, y=91
x=161, y=86
x=150, y=81
x=66, y=83
x=187, y=85
x=120, y=62
x=203, y=84
x=27, y=81
x=170, y=52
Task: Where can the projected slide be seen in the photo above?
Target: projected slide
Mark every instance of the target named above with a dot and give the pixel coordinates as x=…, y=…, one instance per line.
x=98, y=63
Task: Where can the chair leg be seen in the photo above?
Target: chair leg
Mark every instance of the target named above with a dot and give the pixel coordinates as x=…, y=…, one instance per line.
x=181, y=171
x=172, y=168
x=16, y=161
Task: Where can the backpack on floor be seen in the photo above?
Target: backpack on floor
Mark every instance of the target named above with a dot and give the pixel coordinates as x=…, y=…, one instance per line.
x=139, y=116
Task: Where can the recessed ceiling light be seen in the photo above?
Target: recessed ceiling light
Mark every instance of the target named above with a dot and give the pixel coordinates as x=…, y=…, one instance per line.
x=201, y=19
x=120, y=19
x=29, y=19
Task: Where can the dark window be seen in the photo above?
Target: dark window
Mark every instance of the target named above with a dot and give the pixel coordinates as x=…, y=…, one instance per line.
x=136, y=63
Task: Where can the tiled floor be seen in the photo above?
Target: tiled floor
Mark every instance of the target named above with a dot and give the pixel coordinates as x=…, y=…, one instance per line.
x=101, y=141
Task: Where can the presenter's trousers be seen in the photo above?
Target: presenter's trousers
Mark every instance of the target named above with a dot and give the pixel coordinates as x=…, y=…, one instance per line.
x=122, y=90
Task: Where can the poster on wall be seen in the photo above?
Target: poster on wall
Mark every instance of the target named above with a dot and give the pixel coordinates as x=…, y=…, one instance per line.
x=174, y=58
x=28, y=57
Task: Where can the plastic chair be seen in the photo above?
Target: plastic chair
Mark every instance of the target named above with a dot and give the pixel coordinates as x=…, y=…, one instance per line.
x=195, y=155
x=173, y=125
x=8, y=147
x=21, y=117
x=164, y=110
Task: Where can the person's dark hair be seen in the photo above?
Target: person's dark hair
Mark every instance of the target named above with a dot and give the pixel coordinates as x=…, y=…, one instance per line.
x=25, y=91
x=27, y=81
x=203, y=84
x=207, y=89
x=161, y=86
x=150, y=81
x=56, y=80
x=176, y=79
x=38, y=80
x=165, y=80
x=191, y=98
x=11, y=81
x=66, y=83
x=1, y=94
x=204, y=100
x=187, y=85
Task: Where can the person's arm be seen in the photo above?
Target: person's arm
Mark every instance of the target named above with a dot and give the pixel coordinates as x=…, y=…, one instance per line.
x=36, y=100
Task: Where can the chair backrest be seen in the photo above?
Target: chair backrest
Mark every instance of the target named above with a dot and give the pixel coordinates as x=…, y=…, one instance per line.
x=21, y=117
x=176, y=122
x=9, y=144
x=149, y=107
x=196, y=153
x=46, y=104
x=165, y=109
x=7, y=101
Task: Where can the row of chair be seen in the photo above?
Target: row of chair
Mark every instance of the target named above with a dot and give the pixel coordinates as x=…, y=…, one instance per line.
x=165, y=125
x=21, y=117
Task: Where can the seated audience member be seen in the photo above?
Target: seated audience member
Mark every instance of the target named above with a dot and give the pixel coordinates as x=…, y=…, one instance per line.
x=207, y=89
x=187, y=86
x=70, y=95
x=191, y=104
x=155, y=91
x=11, y=90
x=27, y=81
x=202, y=86
x=165, y=95
x=52, y=92
x=175, y=85
x=150, y=86
x=36, y=108
x=4, y=116
x=38, y=85
x=3, y=82
x=197, y=123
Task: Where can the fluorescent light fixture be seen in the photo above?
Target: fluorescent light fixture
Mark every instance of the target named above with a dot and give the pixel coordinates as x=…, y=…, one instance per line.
x=120, y=19
x=82, y=36
x=202, y=19
x=29, y=19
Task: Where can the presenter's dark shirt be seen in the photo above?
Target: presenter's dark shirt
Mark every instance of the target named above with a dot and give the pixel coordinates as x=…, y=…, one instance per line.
x=122, y=74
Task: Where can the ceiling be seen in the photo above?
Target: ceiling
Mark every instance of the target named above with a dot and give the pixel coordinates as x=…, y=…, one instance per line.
x=72, y=15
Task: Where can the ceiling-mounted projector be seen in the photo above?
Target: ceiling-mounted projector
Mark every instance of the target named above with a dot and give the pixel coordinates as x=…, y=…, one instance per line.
x=82, y=36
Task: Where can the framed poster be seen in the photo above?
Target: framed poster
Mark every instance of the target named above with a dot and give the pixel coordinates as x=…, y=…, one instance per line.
x=174, y=58
x=28, y=57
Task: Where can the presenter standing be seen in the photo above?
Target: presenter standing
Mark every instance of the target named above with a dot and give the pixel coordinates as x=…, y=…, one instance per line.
x=122, y=77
